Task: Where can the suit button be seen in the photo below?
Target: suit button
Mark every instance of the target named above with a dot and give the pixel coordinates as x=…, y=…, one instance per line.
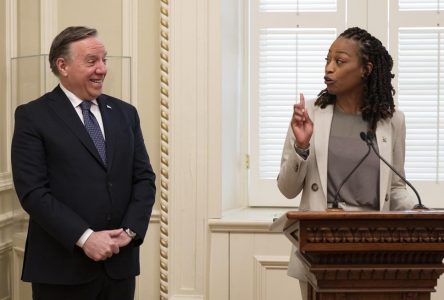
x=110, y=184
x=296, y=168
x=314, y=187
x=386, y=198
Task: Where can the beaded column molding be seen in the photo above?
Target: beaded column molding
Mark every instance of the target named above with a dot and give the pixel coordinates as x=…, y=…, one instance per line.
x=164, y=148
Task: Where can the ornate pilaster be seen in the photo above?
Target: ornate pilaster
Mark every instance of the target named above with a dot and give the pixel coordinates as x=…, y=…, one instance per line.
x=164, y=148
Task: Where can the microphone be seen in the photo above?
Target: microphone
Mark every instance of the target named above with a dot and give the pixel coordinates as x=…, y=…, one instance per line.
x=368, y=138
x=336, y=198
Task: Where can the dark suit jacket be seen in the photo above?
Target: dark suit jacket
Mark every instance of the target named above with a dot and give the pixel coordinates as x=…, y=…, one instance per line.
x=64, y=186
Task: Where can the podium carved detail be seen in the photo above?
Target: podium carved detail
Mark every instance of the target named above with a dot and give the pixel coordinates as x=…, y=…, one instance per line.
x=375, y=235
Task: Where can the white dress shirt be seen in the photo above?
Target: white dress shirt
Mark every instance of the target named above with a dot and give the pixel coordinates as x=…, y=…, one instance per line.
x=75, y=101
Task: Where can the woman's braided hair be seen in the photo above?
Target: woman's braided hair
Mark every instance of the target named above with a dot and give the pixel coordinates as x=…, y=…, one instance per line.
x=378, y=90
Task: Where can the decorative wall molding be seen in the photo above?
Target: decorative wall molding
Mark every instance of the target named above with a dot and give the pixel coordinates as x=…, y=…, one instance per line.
x=164, y=144
x=10, y=34
x=6, y=219
x=188, y=297
x=11, y=221
x=193, y=297
x=246, y=219
x=11, y=51
x=246, y=226
x=155, y=216
x=188, y=138
x=48, y=23
x=18, y=252
x=129, y=49
x=5, y=266
x=5, y=247
x=6, y=178
x=264, y=264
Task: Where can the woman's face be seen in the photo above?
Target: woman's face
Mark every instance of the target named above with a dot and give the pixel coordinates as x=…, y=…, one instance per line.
x=344, y=71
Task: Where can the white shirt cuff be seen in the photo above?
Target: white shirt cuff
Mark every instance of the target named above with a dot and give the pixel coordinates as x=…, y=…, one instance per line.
x=84, y=237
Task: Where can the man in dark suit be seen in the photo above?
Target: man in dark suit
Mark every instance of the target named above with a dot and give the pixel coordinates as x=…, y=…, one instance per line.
x=82, y=172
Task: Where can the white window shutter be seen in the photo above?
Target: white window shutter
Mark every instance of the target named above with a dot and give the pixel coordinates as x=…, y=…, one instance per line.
x=290, y=61
x=421, y=5
x=297, y=5
x=286, y=59
x=420, y=88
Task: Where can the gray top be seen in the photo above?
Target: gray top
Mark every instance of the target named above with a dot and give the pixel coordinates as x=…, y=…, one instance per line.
x=345, y=150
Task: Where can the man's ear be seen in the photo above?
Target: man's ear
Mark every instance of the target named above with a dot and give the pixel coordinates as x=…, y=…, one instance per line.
x=62, y=66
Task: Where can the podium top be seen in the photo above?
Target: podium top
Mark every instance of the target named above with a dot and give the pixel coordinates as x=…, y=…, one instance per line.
x=290, y=217
x=340, y=214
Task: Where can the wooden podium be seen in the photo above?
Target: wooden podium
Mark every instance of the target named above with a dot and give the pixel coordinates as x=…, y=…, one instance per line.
x=367, y=255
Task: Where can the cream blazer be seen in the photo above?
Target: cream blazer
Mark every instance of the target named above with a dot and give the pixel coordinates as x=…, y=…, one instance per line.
x=310, y=175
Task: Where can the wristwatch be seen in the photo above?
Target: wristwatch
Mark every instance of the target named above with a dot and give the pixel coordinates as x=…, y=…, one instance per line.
x=130, y=233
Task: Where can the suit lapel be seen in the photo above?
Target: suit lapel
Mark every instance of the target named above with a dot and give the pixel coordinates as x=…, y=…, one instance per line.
x=384, y=141
x=108, y=113
x=322, y=119
x=62, y=107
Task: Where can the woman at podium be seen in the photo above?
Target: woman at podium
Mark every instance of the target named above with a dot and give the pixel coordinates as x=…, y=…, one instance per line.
x=328, y=137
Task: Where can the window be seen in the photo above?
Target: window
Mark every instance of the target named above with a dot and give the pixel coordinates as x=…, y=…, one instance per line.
x=288, y=41
x=416, y=37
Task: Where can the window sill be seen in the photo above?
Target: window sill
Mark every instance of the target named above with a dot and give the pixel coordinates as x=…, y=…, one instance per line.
x=247, y=219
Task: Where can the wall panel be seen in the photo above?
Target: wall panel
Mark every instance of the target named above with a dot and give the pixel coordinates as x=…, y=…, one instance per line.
x=258, y=267
x=28, y=27
x=105, y=16
x=3, y=83
x=5, y=271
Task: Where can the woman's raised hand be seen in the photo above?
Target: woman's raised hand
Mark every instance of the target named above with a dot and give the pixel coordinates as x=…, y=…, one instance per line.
x=301, y=124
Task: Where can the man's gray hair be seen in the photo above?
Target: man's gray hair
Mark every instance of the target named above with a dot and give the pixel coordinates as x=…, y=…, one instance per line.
x=60, y=46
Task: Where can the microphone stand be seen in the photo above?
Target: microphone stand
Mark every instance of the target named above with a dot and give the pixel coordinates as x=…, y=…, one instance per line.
x=335, y=205
x=369, y=140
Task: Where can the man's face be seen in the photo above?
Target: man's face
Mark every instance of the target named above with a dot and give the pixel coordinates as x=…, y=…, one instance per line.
x=83, y=72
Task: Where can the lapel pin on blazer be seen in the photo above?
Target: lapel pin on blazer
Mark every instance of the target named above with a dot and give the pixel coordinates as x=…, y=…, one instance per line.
x=107, y=106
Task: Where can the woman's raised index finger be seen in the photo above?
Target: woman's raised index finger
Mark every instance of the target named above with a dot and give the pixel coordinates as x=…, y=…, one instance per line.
x=302, y=100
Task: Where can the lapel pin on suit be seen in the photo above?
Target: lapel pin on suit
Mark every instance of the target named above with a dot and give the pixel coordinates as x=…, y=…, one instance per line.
x=109, y=107
x=384, y=139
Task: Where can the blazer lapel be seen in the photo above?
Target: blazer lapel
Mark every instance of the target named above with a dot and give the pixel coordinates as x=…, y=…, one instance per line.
x=62, y=107
x=384, y=141
x=108, y=113
x=322, y=119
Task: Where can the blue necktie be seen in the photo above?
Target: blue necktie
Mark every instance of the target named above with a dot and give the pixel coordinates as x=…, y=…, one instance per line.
x=93, y=128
